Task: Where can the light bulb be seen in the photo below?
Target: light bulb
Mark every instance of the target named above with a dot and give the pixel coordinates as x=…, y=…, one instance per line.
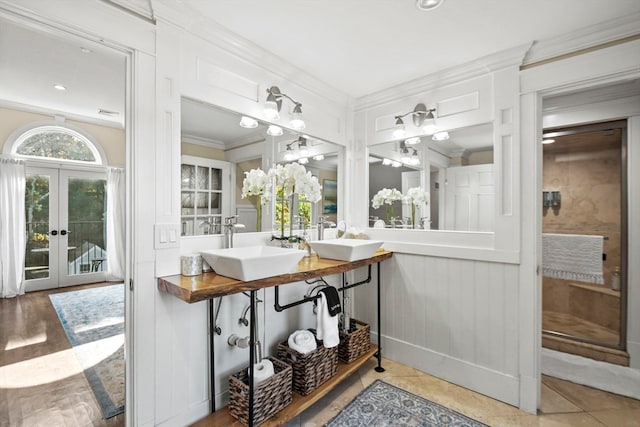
x=274, y=130
x=440, y=136
x=296, y=118
x=271, y=108
x=248, y=122
x=398, y=131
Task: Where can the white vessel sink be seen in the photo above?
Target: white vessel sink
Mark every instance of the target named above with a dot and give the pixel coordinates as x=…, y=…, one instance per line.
x=253, y=262
x=346, y=249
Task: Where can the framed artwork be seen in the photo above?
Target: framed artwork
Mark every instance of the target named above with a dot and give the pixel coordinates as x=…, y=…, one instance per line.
x=329, y=196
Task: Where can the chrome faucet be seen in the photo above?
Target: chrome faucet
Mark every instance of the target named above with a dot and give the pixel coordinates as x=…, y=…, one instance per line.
x=322, y=224
x=230, y=224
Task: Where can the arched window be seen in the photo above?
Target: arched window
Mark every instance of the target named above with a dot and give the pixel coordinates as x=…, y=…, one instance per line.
x=56, y=142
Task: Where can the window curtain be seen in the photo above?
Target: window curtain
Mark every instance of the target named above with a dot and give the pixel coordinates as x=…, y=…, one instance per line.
x=115, y=224
x=12, y=226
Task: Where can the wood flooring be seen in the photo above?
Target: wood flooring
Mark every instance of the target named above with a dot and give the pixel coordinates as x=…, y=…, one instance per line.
x=41, y=382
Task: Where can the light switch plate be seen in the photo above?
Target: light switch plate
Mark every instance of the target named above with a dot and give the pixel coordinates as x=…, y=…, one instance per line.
x=166, y=236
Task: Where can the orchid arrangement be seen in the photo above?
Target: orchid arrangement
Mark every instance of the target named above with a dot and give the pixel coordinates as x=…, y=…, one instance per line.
x=256, y=184
x=416, y=196
x=294, y=178
x=385, y=196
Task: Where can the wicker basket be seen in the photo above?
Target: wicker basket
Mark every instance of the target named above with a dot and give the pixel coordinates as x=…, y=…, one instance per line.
x=311, y=369
x=355, y=343
x=269, y=397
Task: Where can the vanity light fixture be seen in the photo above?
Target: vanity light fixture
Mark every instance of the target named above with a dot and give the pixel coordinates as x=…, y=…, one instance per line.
x=414, y=160
x=248, y=122
x=428, y=4
x=273, y=105
x=440, y=136
x=302, y=147
x=288, y=155
x=274, y=130
x=405, y=156
x=422, y=117
x=318, y=157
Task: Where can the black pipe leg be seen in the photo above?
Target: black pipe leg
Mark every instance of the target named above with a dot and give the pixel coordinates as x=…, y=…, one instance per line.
x=252, y=361
x=379, y=368
x=212, y=365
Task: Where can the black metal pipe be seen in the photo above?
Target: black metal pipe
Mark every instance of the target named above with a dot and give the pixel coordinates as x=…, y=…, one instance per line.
x=252, y=361
x=277, y=307
x=379, y=368
x=212, y=365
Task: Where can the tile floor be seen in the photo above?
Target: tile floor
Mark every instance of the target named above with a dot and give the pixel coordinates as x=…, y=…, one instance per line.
x=40, y=385
x=563, y=403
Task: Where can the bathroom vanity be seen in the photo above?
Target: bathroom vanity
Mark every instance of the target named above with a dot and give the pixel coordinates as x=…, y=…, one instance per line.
x=206, y=286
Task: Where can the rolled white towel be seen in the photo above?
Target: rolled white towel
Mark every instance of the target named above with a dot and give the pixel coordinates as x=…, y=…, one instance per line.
x=262, y=370
x=302, y=341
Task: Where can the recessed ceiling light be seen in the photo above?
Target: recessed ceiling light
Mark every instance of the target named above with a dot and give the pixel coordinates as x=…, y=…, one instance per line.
x=85, y=50
x=59, y=87
x=248, y=122
x=428, y=4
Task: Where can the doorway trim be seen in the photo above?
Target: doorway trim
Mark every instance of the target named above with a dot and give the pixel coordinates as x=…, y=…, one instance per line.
x=602, y=67
x=59, y=24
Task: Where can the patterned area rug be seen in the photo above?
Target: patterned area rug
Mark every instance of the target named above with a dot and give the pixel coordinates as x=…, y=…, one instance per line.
x=382, y=404
x=93, y=320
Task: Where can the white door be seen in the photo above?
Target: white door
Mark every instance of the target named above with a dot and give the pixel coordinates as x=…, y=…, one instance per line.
x=65, y=219
x=470, y=198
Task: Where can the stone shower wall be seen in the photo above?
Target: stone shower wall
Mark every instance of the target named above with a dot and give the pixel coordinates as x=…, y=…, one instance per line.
x=589, y=181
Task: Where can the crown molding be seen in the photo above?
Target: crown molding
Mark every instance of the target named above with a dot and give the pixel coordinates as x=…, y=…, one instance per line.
x=28, y=108
x=212, y=32
x=585, y=38
x=205, y=142
x=512, y=57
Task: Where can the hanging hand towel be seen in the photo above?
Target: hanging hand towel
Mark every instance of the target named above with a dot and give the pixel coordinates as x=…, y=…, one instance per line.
x=302, y=341
x=327, y=329
x=572, y=257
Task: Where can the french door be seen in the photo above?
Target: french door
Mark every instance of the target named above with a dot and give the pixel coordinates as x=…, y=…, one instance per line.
x=65, y=226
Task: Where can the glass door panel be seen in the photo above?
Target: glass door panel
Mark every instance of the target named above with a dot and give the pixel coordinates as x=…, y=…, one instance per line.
x=65, y=220
x=41, y=211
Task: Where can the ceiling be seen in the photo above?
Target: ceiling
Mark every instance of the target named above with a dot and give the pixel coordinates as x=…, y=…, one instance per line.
x=361, y=47
x=32, y=61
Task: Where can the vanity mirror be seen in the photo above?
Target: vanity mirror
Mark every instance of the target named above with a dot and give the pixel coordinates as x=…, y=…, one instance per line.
x=218, y=146
x=451, y=175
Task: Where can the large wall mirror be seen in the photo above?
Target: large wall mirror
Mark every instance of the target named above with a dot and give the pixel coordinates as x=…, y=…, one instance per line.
x=218, y=146
x=452, y=177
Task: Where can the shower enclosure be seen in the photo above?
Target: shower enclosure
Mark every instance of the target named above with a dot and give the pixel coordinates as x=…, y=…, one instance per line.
x=584, y=197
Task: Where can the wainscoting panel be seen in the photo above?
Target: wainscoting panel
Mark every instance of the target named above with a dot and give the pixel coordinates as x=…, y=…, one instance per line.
x=447, y=317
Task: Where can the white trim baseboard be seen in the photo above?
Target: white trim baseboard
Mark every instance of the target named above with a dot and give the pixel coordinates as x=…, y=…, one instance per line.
x=497, y=385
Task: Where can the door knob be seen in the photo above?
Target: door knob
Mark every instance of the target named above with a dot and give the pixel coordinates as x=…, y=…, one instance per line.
x=54, y=232
x=63, y=232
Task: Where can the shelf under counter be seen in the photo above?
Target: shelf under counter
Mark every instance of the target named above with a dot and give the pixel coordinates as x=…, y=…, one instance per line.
x=211, y=285
x=299, y=403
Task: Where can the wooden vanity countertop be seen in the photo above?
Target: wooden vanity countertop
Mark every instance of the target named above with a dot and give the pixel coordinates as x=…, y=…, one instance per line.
x=211, y=285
